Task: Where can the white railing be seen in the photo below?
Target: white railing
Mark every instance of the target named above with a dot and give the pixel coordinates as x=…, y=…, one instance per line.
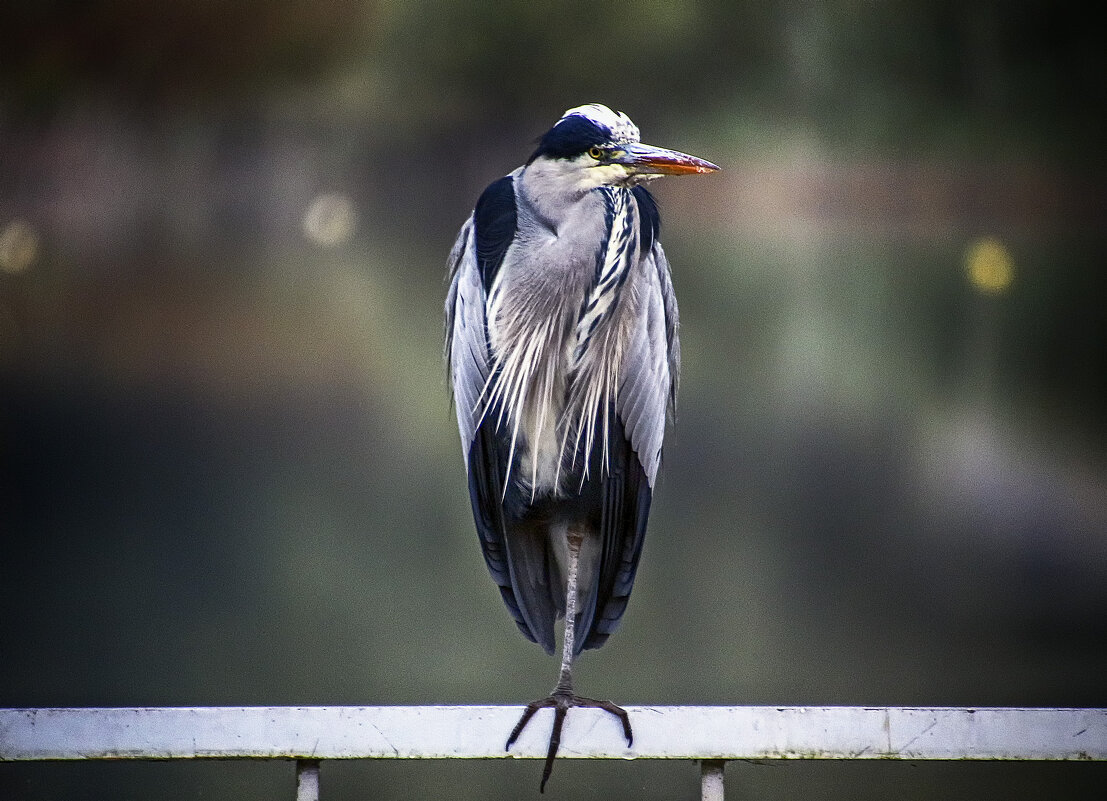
x=709, y=734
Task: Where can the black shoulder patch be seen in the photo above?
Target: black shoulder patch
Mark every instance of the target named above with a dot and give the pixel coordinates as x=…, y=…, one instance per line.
x=494, y=221
x=649, y=218
x=570, y=137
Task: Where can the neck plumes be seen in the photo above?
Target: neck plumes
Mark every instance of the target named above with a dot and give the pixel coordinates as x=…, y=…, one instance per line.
x=557, y=347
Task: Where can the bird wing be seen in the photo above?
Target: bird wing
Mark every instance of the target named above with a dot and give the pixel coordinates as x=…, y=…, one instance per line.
x=648, y=388
x=474, y=261
x=653, y=253
x=651, y=363
x=476, y=258
x=467, y=358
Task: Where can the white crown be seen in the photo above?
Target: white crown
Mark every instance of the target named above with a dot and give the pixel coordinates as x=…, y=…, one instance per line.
x=623, y=131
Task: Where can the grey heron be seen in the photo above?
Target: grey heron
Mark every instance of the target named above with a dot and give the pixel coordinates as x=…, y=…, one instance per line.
x=563, y=358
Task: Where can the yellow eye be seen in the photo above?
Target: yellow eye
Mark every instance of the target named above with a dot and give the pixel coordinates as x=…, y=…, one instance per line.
x=595, y=153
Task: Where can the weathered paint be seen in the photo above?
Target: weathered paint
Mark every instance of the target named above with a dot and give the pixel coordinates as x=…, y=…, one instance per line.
x=478, y=732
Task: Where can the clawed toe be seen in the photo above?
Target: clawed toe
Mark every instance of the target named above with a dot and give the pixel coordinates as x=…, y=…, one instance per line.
x=561, y=702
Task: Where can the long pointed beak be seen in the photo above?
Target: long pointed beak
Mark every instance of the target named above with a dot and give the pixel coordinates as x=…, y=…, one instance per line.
x=650, y=160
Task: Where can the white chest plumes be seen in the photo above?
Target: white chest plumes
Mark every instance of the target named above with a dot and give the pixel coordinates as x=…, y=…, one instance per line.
x=555, y=340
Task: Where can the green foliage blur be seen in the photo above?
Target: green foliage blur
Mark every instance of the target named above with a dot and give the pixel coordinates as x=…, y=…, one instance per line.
x=229, y=471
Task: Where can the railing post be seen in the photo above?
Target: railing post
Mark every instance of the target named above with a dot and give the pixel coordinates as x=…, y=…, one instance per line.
x=307, y=780
x=711, y=779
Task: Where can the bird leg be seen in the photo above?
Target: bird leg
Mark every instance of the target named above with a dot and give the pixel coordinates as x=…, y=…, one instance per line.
x=562, y=698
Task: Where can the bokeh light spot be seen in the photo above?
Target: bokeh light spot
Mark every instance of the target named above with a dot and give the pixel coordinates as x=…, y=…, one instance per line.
x=18, y=246
x=330, y=220
x=989, y=265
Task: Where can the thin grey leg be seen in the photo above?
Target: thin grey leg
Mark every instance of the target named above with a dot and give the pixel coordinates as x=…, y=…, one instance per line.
x=568, y=643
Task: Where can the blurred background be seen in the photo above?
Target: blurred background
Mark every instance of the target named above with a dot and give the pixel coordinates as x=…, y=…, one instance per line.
x=230, y=475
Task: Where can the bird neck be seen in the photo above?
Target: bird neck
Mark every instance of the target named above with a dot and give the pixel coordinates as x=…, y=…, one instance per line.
x=552, y=186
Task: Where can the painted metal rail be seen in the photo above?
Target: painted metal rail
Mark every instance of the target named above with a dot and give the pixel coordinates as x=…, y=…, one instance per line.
x=709, y=734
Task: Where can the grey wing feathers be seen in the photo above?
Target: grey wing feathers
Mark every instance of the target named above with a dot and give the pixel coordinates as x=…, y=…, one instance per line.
x=651, y=364
x=672, y=322
x=510, y=564
x=466, y=339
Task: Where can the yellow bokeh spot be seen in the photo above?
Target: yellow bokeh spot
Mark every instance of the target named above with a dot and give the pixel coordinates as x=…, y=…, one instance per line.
x=18, y=246
x=989, y=265
x=330, y=220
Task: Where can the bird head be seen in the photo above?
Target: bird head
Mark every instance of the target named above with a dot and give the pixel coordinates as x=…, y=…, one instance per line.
x=600, y=147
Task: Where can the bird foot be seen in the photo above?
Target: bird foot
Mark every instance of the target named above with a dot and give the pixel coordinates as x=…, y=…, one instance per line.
x=562, y=700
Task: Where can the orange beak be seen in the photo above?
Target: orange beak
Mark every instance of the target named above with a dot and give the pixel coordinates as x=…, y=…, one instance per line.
x=650, y=160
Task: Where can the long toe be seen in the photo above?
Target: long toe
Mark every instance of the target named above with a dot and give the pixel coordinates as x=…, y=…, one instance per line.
x=611, y=709
x=561, y=703
x=524, y=719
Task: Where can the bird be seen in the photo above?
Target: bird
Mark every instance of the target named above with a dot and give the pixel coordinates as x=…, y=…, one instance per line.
x=563, y=358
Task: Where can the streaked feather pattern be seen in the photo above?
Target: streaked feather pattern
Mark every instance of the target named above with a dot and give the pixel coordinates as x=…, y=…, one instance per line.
x=562, y=370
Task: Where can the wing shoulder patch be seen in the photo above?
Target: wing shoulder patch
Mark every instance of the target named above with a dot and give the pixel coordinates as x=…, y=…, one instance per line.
x=494, y=221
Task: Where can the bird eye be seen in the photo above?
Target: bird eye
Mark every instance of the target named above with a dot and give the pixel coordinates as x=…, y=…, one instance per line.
x=595, y=153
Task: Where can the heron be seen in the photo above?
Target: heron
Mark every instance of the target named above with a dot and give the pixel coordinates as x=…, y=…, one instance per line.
x=563, y=356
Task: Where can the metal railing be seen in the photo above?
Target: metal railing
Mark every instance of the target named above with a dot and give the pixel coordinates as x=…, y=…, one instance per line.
x=710, y=735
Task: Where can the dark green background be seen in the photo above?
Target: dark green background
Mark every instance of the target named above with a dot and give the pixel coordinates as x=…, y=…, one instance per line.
x=229, y=473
